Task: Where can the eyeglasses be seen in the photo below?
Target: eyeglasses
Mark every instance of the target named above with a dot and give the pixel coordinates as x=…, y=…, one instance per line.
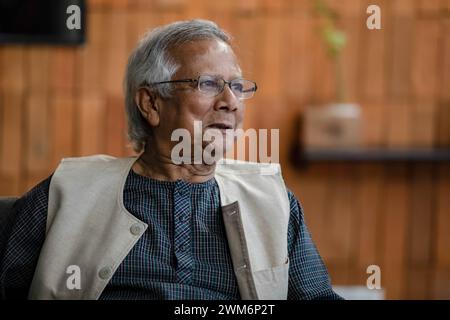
x=213, y=86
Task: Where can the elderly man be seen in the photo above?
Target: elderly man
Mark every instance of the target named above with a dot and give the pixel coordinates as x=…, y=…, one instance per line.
x=149, y=228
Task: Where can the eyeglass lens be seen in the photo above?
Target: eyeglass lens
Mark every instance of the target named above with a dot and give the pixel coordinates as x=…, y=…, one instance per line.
x=213, y=86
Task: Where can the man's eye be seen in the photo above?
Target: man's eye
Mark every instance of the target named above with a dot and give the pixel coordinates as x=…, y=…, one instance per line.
x=237, y=87
x=209, y=84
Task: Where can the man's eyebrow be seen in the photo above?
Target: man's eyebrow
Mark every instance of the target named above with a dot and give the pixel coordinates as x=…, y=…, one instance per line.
x=234, y=76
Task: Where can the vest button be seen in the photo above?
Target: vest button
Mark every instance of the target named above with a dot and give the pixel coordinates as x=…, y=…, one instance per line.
x=136, y=229
x=105, y=273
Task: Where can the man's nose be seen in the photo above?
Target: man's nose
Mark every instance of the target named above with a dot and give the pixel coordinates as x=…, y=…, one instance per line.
x=227, y=100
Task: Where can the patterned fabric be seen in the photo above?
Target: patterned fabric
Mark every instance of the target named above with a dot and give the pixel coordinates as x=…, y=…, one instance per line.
x=182, y=255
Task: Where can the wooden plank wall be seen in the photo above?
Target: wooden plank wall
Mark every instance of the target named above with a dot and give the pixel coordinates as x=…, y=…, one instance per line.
x=59, y=101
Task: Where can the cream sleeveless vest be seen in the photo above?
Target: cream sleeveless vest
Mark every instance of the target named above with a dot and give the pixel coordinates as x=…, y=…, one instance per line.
x=88, y=227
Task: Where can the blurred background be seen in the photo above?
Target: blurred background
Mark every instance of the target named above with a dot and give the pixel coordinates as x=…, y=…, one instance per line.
x=385, y=203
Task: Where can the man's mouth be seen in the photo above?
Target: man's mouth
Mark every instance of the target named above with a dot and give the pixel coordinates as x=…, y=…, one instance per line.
x=220, y=126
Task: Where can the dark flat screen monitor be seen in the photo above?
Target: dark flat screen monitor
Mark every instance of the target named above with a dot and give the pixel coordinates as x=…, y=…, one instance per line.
x=42, y=22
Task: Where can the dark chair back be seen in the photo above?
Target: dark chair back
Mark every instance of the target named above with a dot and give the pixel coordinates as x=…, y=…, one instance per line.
x=7, y=214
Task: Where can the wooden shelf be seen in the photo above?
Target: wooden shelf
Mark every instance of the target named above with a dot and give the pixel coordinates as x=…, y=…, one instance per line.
x=373, y=155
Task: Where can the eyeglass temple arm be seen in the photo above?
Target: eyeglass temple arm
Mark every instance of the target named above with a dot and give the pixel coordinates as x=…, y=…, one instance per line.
x=172, y=81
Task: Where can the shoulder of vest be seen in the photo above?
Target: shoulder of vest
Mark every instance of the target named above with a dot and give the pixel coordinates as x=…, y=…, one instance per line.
x=96, y=157
x=98, y=161
x=247, y=167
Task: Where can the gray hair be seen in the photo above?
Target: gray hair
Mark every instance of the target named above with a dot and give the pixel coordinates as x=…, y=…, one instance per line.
x=151, y=62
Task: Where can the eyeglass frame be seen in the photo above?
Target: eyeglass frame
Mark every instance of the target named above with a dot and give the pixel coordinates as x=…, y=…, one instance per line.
x=225, y=82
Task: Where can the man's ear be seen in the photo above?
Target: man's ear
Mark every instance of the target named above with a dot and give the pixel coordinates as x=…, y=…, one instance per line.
x=149, y=105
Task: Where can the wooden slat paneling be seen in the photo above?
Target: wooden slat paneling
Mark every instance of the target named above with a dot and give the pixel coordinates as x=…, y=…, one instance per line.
x=269, y=73
x=352, y=22
x=443, y=216
x=115, y=41
x=62, y=127
x=91, y=125
x=424, y=111
x=62, y=71
x=368, y=195
x=12, y=65
x=374, y=119
x=400, y=24
x=443, y=112
x=441, y=270
x=90, y=58
x=395, y=227
x=115, y=126
x=67, y=101
x=427, y=42
x=312, y=189
x=430, y=7
x=444, y=68
x=11, y=147
x=373, y=59
x=339, y=216
x=399, y=126
x=298, y=86
x=37, y=152
x=13, y=69
x=420, y=231
x=37, y=143
x=323, y=78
